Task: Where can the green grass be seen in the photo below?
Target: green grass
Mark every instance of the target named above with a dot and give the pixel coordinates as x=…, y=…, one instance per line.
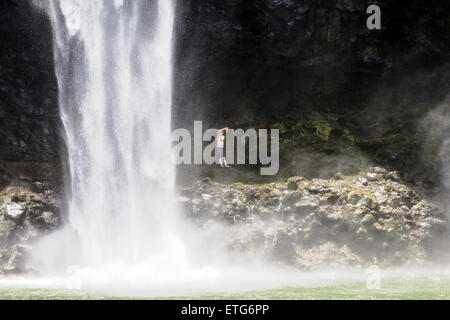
x=396, y=288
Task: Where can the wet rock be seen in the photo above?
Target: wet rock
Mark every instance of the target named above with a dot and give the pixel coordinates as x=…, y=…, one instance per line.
x=334, y=219
x=14, y=211
x=50, y=219
x=338, y=176
x=293, y=197
x=25, y=216
x=280, y=186
x=38, y=187
x=7, y=229
x=361, y=212
x=251, y=194
x=353, y=197
x=368, y=220
x=206, y=196
x=332, y=199
x=292, y=182
x=284, y=247
x=317, y=186
x=368, y=202
x=372, y=220
x=363, y=181
x=372, y=176
x=377, y=226
x=305, y=207
x=395, y=200
x=394, y=175
x=424, y=208
x=378, y=170
x=362, y=231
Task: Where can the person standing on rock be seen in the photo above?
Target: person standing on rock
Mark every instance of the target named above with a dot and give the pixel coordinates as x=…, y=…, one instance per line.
x=220, y=143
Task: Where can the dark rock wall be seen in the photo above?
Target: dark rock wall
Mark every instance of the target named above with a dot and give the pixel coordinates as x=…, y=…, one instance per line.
x=268, y=57
x=29, y=119
x=310, y=67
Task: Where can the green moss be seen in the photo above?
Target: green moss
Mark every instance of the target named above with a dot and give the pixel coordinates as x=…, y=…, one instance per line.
x=364, y=193
x=310, y=142
x=323, y=128
x=348, y=137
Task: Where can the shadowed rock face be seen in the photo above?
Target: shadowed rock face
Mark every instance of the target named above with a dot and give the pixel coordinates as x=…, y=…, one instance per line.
x=268, y=57
x=29, y=119
x=311, y=67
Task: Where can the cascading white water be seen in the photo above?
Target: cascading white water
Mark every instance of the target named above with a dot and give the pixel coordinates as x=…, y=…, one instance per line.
x=114, y=68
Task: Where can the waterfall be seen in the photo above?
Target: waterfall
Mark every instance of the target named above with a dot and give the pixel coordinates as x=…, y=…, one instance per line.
x=113, y=62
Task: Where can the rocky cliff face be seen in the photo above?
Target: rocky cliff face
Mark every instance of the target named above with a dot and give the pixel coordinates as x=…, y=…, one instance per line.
x=314, y=70
x=30, y=134
x=346, y=221
x=29, y=119
x=276, y=56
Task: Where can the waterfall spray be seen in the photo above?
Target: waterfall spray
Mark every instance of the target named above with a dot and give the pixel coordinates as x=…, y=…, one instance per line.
x=114, y=69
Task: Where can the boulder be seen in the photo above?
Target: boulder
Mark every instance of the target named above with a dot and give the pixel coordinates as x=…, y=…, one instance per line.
x=353, y=197
x=363, y=181
x=368, y=220
x=293, y=197
x=14, y=211
x=394, y=175
x=368, y=202
x=305, y=207
x=25, y=216
x=292, y=182
x=372, y=176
